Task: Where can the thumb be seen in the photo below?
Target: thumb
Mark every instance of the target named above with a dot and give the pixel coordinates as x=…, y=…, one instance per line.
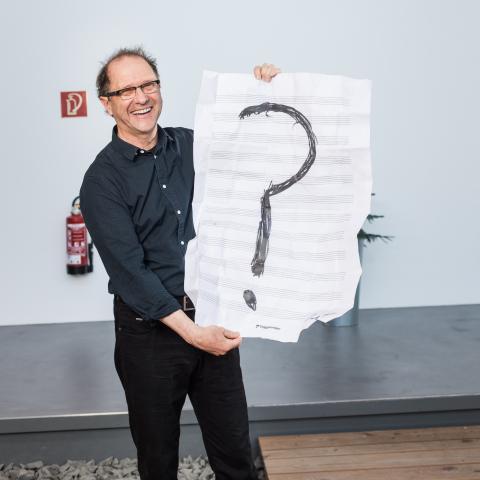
x=230, y=334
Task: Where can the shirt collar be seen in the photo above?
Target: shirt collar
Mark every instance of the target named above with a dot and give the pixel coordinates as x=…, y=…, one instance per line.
x=132, y=152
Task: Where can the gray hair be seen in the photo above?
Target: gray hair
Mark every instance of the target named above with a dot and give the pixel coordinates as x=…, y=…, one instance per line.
x=102, y=77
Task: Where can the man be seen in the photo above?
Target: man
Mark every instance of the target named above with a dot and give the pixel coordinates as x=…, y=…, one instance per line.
x=136, y=200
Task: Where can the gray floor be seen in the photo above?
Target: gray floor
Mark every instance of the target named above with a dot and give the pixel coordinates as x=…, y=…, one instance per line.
x=396, y=362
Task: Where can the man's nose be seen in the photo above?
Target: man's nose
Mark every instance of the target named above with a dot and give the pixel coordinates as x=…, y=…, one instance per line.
x=140, y=97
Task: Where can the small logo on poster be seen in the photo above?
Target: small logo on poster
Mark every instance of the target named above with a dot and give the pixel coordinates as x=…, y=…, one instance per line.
x=74, y=104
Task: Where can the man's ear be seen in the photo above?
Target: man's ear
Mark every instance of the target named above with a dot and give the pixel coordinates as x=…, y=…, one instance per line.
x=106, y=105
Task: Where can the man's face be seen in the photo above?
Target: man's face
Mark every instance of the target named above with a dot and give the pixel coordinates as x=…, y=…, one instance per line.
x=137, y=116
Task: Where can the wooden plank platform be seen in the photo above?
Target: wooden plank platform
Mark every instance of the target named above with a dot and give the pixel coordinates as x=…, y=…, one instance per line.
x=407, y=454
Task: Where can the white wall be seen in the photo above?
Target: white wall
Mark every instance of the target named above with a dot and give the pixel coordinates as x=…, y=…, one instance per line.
x=422, y=57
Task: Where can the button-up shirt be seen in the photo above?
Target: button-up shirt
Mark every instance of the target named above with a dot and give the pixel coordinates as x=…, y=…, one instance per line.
x=137, y=206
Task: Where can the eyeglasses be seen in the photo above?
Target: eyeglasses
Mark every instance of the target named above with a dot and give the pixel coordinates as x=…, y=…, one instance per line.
x=129, y=92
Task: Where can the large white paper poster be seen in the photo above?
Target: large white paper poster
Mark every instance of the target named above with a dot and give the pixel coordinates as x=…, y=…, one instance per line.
x=282, y=186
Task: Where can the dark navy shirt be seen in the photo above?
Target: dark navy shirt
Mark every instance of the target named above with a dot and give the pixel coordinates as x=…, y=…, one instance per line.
x=137, y=207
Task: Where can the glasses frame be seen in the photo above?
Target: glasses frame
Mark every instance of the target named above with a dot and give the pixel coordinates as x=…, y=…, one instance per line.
x=118, y=93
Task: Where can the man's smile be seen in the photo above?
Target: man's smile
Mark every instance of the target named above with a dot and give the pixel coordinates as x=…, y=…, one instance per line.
x=142, y=111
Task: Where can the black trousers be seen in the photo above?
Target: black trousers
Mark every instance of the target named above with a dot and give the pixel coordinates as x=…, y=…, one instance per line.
x=158, y=369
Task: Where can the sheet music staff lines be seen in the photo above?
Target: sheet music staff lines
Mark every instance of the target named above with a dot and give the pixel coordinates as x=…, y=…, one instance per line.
x=279, y=158
x=230, y=175
x=280, y=234
x=271, y=291
x=278, y=139
x=221, y=242
x=280, y=272
x=288, y=216
x=249, y=99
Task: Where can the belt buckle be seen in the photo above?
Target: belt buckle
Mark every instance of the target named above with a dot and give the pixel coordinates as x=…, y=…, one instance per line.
x=185, y=301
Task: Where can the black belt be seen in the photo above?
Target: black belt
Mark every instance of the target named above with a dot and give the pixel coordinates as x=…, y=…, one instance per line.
x=185, y=303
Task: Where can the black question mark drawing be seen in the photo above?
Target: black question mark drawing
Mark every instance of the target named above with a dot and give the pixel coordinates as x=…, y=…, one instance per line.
x=265, y=224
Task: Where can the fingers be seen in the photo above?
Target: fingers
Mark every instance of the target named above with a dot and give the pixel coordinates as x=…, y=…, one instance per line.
x=266, y=72
x=216, y=340
x=235, y=343
x=230, y=341
x=230, y=334
x=231, y=344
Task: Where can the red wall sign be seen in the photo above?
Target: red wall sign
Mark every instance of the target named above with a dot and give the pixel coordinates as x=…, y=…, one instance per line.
x=74, y=104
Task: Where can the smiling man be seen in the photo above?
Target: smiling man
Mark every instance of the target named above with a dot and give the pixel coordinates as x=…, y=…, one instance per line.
x=136, y=199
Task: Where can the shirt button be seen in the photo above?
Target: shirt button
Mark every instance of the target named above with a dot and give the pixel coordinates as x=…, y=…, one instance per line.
x=154, y=156
x=179, y=212
x=164, y=186
x=142, y=151
x=182, y=242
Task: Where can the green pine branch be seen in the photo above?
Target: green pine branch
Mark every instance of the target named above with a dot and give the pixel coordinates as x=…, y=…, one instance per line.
x=371, y=218
x=371, y=237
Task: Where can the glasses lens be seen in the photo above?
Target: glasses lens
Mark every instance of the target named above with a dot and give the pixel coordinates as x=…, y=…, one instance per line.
x=127, y=93
x=150, y=87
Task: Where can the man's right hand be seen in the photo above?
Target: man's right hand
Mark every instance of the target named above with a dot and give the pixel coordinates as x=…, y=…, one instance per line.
x=212, y=339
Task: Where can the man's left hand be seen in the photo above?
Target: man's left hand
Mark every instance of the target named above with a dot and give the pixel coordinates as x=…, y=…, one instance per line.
x=265, y=72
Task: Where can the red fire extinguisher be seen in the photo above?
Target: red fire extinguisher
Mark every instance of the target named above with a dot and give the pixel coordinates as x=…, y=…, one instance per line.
x=79, y=249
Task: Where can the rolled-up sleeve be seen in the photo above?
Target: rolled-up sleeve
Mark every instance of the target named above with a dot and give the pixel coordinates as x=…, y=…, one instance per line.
x=108, y=220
